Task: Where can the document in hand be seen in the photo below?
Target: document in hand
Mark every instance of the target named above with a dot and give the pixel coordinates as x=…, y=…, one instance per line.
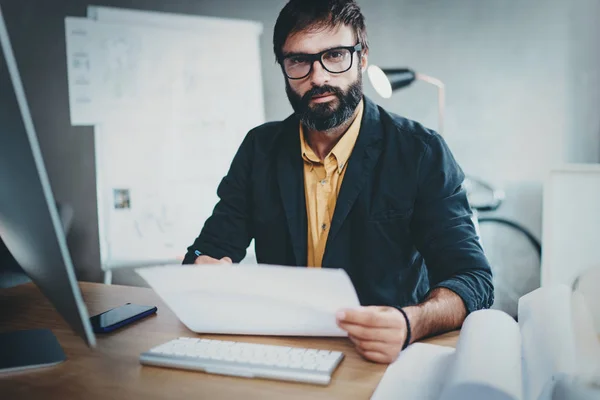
x=254, y=299
x=498, y=358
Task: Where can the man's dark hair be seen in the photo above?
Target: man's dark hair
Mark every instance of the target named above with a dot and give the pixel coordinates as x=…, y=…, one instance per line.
x=299, y=15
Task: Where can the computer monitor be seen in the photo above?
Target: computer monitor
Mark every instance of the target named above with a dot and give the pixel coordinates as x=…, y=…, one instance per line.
x=29, y=222
x=11, y=274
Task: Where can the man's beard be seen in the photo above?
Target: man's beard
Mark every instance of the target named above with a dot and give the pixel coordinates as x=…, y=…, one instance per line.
x=325, y=116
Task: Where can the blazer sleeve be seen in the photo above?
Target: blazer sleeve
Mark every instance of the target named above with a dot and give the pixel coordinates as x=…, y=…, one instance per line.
x=228, y=231
x=443, y=229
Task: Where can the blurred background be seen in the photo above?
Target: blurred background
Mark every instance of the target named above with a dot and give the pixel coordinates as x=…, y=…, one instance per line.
x=522, y=82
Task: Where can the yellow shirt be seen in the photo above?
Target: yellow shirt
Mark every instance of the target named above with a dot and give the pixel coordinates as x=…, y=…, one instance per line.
x=322, y=183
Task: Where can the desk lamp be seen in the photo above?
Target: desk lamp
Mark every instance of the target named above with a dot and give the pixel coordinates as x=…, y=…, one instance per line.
x=385, y=81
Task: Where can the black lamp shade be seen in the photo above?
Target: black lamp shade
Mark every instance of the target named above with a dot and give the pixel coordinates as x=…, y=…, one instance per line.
x=385, y=81
x=400, y=77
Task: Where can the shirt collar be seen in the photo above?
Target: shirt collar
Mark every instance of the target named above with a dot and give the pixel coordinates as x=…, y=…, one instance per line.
x=342, y=150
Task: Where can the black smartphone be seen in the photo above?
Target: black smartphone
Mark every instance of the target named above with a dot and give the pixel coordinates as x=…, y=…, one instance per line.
x=117, y=317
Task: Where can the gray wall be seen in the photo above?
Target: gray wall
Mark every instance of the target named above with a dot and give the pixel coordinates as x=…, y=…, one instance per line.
x=522, y=78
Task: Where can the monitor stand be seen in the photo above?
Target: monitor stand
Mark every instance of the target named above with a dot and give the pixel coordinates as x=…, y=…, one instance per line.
x=34, y=348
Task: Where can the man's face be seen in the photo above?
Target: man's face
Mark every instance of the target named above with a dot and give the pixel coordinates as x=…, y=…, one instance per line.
x=324, y=100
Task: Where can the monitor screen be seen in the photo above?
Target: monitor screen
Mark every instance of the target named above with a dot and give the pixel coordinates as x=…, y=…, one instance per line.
x=30, y=226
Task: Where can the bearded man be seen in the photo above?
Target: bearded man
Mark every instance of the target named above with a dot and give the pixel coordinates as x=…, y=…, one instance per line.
x=343, y=183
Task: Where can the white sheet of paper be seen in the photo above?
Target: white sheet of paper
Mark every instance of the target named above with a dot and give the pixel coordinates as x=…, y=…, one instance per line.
x=586, y=341
x=572, y=388
x=254, y=299
x=551, y=354
x=548, y=337
x=584, y=382
x=418, y=373
x=488, y=359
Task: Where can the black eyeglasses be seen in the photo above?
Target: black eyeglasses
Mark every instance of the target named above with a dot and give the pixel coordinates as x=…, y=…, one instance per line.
x=336, y=61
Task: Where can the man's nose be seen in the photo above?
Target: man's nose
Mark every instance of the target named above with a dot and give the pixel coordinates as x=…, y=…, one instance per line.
x=319, y=75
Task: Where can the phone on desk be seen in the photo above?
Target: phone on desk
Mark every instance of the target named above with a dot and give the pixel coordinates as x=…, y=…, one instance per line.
x=117, y=317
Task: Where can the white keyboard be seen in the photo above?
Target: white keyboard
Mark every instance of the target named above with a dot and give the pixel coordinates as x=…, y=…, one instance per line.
x=245, y=359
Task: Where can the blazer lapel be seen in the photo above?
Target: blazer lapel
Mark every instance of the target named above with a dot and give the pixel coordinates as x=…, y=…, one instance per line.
x=290, y=175
x=364, y=157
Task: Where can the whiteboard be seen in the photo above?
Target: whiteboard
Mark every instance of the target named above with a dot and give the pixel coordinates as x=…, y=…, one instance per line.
x=571, y=223
x=171, y=103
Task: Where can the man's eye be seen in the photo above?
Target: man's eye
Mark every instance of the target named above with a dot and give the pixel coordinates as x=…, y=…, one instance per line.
x=298, y=60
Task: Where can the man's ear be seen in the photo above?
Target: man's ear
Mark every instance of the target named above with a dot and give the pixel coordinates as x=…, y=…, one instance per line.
x=364, y=60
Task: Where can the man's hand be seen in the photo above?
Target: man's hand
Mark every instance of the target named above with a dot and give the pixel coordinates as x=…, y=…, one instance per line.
x=377, y=332
x=203, y=259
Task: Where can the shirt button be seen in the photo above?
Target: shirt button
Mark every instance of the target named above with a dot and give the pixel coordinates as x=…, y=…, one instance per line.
x=323, y=182
x=324, y=226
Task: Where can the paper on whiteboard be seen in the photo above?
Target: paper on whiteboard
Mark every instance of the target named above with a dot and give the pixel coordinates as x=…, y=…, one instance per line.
x=254, y=299
x=79, y=42
x=135, y=70
x=110, y=71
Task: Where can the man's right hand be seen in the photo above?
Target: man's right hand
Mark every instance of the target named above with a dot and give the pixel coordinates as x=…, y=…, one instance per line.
x=203, y=259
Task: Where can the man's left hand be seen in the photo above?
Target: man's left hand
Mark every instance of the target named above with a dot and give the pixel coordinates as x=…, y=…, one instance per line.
x=378, y=332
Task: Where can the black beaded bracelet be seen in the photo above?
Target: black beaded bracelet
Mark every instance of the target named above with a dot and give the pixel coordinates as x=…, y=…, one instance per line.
x=408, y=330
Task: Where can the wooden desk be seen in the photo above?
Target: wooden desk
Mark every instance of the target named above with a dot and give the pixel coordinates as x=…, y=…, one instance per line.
x=112, y=369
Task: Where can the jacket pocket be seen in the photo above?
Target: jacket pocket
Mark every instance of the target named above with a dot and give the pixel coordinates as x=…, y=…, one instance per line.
x=391, y=214
x=388, y=239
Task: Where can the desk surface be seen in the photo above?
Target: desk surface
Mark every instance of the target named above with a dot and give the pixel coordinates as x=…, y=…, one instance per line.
x=112, y=369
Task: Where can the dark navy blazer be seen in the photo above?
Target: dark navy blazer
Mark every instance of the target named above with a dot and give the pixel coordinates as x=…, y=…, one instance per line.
x=402, y=224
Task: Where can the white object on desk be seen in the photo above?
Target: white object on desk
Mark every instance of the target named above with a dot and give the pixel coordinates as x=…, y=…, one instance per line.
x=496, y=358
x=571, y=223
x=246, y=360
x=417, y=374
x=254, y=299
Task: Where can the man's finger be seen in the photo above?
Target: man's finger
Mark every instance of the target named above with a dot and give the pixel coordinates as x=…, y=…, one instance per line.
x=370, y=345
x=376, y=356
x=226, y=260
x=382, y=317
x=375, y=334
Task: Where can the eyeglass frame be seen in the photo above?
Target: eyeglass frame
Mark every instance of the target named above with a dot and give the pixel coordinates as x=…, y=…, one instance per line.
x=357, y=48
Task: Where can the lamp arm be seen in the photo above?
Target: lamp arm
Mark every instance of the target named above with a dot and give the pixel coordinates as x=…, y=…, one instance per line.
x=441, y=97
